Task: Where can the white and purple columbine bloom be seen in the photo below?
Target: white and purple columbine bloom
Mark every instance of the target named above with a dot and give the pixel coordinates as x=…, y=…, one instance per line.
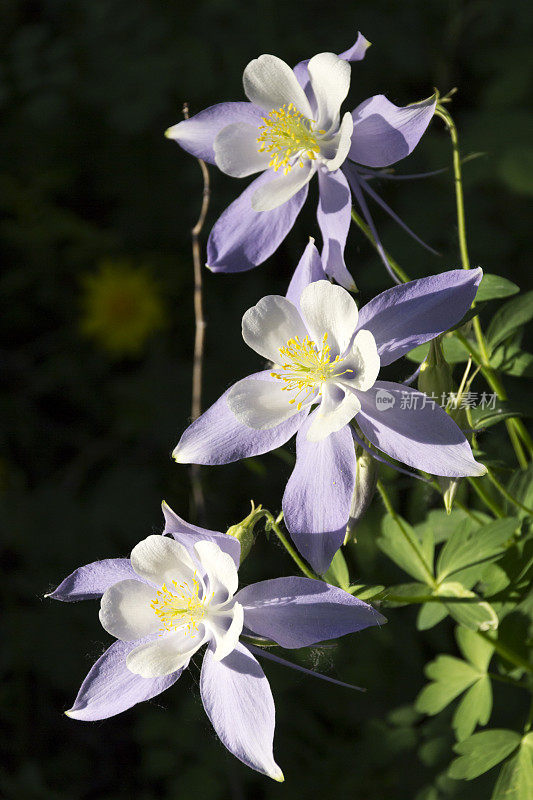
x=326, y=358
x=177, y=593
x=290, y=129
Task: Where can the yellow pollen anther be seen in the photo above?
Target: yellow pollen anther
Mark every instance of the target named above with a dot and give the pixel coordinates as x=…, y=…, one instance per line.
x=306, y=367
x=287, y=134
x=179, y=606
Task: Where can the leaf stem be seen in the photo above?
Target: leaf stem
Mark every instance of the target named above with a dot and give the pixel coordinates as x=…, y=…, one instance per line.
x=508, y=496
x=271, y=524
x=485, y=497
x=361, y=224
x=509, y=681
x=506, y=652
x=198, y=499
x=390, y=508
x=515, y=428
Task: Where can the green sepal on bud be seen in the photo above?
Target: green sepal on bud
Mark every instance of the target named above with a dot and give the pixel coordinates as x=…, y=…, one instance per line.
x=366, y=478
x=244, y=531
x=436, y=380
x=448, y=487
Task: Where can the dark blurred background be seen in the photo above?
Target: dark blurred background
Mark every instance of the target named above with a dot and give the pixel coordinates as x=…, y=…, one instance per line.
x=97, y=327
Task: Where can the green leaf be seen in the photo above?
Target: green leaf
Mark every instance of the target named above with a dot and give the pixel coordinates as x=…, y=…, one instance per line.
x=509, y=317
x=443, y=525
x=428, y=793
x=468, y=609
x=434, y=751
x=475, y=648
x=450, y=677
x=466, y=547
x=338, y=574
x=512, y=360
x=520, y=366
x=430, y=614
x=403, y=716
x=474, y=709
x=494, y=286
x=521, y=486
x=363, y=591
x=470, y=314
x=401, y=590
x=515, y=781
x=481, y=752
x=485, y=417
x=454, y=351
x=494, y=579
x=400, y=543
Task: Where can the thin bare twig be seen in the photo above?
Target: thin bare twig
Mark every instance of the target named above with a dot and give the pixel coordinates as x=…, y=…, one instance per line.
x=198, y=501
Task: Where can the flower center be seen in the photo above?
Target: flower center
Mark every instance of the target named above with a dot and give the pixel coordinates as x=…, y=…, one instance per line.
x=305, y=366
x=287, y=134
x=179, y=606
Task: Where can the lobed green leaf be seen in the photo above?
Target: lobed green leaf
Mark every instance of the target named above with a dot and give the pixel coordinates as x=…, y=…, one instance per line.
x=482, y=751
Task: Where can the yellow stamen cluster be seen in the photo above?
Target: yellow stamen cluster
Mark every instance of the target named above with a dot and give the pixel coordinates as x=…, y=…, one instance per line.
x=179, y=606
x=287, y=134
x=307, y=366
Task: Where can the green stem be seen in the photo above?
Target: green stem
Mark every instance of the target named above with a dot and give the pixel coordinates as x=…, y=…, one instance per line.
x=413, y=599
x=509, y=681
x=515, y=428
x=485, y=497
x=508, y=496
x=506, y=652
x=272, y=524
x=390, y=508
x=361, y=224
x=468, y=511
x=459, y=200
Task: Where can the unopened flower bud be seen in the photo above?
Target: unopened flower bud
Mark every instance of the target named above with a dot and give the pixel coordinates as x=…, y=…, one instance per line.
x=244, y=531
x=366, y=477
x=448, y=487
x=436, y=379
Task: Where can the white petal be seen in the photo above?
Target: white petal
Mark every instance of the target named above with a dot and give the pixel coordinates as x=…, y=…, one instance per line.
x=277, y=191
x=227, y=635
x=125, y=610
x=343, y=143
x=237, y=150
x=270, y=83
x=270, y=324
x=159, y=559
x=220, y=569
x=330, y=309
x=333, y=413
x=165, y=655
x=261, y=404
x=362, y=361
x=330, y=80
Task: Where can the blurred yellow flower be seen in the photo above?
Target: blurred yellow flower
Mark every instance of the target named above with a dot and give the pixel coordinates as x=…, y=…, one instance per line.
x=122, y=307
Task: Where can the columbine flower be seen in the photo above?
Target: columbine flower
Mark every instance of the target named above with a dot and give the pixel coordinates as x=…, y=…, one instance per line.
x=122, y=307
x=291, y=129
x=327, y=355
x=178, y=592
